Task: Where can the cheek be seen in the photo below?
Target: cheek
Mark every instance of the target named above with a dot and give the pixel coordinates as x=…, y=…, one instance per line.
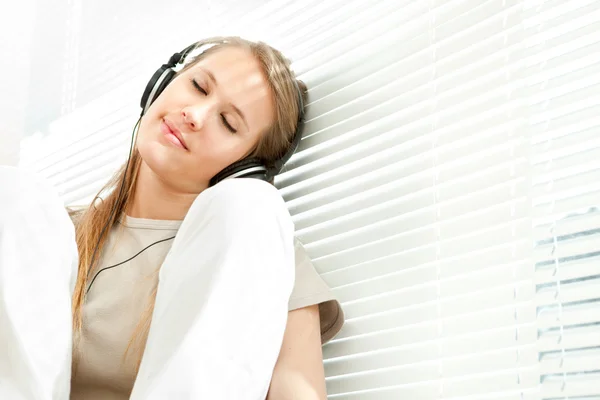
x=148, y=127
x=210, y=161
x=206, y=162
x=156, y=152
x=147, y=142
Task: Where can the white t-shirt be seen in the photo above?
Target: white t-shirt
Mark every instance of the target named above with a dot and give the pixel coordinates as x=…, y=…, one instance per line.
x=119, y=295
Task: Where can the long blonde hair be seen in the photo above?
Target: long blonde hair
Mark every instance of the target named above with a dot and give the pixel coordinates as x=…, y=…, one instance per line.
x=105, y=212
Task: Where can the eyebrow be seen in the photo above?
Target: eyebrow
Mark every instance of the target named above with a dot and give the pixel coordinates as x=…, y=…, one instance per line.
x=211, y=76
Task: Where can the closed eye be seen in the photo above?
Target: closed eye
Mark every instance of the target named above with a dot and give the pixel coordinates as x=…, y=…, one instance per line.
x=227, y=125
x=198, y=87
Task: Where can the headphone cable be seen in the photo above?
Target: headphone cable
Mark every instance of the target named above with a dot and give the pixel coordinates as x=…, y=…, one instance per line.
x=129, y=259
x=114, y=209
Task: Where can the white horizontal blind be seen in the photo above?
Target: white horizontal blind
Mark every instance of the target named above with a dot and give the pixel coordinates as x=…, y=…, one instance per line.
x=563, y=70
x=411, y=192
x=438, y=134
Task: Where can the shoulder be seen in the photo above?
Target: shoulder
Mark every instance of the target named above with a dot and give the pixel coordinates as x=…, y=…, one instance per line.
x=75, y=213
x=301, y=253
x=310, y=289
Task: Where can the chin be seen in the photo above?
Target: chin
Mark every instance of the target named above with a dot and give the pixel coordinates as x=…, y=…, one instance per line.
x=170, y=167
x=160, y=160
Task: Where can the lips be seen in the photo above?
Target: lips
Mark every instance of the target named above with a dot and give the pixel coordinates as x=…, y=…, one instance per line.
x=172, y=134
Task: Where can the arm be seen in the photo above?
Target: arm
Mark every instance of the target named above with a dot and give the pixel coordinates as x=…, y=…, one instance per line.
x=299, y=372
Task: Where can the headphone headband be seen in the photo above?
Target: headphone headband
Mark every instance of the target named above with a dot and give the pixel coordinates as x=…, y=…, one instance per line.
x=248, y=167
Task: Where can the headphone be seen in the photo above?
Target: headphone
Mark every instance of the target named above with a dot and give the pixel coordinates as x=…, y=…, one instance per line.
x=248, y=167
x=251, y=167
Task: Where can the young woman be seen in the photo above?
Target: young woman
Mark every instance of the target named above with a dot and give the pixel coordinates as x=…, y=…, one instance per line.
x=188, y=285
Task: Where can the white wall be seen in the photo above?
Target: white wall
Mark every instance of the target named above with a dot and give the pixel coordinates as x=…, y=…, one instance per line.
x=16, y=35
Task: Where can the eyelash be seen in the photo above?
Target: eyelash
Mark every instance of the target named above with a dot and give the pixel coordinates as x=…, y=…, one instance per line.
x=205, y=93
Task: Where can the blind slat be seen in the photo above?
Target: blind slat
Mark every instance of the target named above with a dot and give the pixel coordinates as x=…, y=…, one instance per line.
x=474, y=301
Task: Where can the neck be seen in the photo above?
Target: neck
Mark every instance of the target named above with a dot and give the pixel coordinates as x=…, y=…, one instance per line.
x=154, y=199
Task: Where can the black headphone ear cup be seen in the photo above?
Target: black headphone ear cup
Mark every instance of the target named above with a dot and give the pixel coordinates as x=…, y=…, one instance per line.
x=159, y=81
x=249, y=167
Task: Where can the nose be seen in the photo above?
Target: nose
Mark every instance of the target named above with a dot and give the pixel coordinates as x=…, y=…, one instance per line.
x=194, y=116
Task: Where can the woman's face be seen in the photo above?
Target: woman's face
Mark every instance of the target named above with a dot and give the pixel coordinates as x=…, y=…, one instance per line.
x=209, y=116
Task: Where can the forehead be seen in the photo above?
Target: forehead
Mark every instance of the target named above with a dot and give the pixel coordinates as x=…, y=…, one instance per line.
x=232, y=65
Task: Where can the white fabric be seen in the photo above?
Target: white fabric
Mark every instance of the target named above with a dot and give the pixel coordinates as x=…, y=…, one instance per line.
x=38, y=266
x=221, y=307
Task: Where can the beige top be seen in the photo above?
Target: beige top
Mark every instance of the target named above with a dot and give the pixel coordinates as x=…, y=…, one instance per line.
x=119, y=295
